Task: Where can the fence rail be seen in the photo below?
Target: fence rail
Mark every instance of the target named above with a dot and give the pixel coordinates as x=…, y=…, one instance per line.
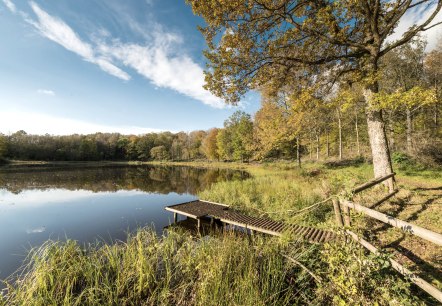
x=424, y=285
x=372, y=183
x=405, y=226
x=342, y=207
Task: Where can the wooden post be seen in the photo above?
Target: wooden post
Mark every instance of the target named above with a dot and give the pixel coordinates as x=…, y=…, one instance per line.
x=337, y=212
x=198, y=220
x=346, y=215
x=175, y=217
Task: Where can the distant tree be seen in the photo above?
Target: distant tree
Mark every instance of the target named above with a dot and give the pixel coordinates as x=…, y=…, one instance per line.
x=433, y=72
x=224, y=144
x=209, y=146
x=3, y=146
x=159, y=153
x=143, y=146
x=88, y=149
x=235, y=141
x=195, y=141
x=242, y=138
x=273, y=133
x=403, y=69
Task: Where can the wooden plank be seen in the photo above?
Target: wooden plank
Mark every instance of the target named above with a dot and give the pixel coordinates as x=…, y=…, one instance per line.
x=307, y=233
x=266, y=223
x=280, y=227
x=181, y=212
x=251, y=227
x=405, y=226
x=323, y=236
x=337, y=210
x=384, y=199
x=314, y=233
x=346, y=211
x=318, y=235
x=183, y=203
x=225, y=205
x=372, y=183
x=304, y=231
x=427, y=287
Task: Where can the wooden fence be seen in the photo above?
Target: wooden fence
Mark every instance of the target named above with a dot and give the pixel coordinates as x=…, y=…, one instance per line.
x=342, y=212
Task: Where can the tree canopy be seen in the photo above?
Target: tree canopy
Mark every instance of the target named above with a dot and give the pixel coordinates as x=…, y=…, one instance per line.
x=252, y=43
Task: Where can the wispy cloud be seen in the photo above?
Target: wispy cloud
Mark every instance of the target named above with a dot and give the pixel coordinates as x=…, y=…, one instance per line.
x=157, y=63
x=159, y=58
x=58, y=31
x=37, y=123
x=416, y=16
x=10, y=5
x=47, y=92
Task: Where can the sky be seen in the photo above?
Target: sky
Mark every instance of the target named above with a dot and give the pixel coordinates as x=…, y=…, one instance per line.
x=132, y=67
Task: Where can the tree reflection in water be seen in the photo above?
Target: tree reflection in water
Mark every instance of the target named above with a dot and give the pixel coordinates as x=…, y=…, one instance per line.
x=156, y=179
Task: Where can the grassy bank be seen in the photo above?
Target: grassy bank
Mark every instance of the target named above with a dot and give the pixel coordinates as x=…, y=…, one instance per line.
x=225, y=269
x=232, y=269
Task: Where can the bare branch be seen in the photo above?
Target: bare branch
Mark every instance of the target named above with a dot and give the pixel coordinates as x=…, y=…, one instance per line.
x=411, y=33
x=438, y=23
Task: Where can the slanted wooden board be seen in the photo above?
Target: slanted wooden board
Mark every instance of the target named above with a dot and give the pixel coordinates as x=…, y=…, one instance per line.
x=198, y=209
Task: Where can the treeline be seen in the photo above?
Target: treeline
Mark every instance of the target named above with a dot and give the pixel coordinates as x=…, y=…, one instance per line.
x=291, y=124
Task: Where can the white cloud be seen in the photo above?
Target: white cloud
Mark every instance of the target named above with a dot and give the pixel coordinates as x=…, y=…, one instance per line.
x=47, y=92
x=416, y=16
x=159, y=59
x=37, y=123
x=10, y=5
x=164, y=69
x=58, y=31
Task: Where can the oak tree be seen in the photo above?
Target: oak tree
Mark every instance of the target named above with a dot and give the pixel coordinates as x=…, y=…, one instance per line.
x=254, y=42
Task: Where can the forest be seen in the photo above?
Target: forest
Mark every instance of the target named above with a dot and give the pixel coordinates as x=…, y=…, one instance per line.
x=287, y=126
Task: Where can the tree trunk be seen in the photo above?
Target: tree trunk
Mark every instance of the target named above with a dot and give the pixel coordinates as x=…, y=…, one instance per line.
x=310, y=147
x=328, y=143
x=409, y=131
x=340, y=133
x=378, y=139
x=357, y=135
x=298, y=151
x=392, y=142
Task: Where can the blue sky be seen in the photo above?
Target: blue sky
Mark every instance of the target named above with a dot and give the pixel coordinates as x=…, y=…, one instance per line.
x=125, y=66
x=131, y=66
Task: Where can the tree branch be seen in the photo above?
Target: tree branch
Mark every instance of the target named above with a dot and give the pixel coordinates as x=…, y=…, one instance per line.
x=409, y=34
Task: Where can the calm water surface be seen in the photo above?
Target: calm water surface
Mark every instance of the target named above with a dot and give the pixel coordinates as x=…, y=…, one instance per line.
x=90, y=203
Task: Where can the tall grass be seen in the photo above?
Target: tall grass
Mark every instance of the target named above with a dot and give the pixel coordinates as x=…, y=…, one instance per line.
x=280, y=190
x=224, y=269
x=177, y=269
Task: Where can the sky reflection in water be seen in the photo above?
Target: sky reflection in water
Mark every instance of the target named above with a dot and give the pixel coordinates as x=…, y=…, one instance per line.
x=90, y=204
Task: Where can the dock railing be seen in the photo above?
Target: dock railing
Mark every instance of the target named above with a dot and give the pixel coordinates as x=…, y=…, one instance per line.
x=342, y=212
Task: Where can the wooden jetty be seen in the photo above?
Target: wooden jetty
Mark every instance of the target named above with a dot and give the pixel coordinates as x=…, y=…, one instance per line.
x=215, y=211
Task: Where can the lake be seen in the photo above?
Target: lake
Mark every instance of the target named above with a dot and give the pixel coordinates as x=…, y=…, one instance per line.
x=90, y=203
